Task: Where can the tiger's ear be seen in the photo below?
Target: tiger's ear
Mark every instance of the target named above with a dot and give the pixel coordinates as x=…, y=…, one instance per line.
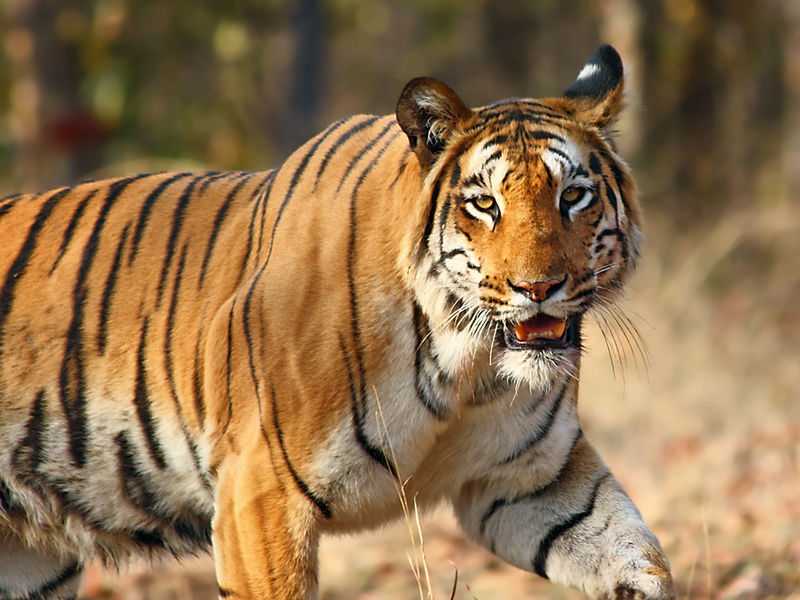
x=429, y=113
x=597, y=92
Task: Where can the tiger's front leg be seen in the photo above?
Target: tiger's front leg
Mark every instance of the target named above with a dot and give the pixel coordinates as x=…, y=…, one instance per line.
x=265, y=533
x=579, y=529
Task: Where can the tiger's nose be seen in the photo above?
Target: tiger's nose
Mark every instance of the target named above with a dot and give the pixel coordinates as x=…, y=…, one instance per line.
x=538, y=290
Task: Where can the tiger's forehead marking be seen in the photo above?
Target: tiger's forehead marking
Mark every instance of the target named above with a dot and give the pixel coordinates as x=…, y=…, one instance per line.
x=489, y=157
x=563, y=158
x=501, y=152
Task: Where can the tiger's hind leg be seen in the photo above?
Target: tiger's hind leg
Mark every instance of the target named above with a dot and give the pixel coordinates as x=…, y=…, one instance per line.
x=26, y=573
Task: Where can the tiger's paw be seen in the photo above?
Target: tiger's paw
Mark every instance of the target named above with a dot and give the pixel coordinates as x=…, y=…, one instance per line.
x=646, y=577
x=626, y=565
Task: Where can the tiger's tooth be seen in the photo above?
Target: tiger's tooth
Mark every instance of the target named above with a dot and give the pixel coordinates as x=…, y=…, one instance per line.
x=559, y=328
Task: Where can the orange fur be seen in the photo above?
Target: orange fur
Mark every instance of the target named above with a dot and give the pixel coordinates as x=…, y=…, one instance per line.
x=174, y=347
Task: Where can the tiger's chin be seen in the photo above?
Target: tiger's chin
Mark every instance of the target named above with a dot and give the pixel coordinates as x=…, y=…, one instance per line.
x=540, y=351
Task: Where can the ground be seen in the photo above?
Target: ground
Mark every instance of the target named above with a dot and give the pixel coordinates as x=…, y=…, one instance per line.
x=705, y=438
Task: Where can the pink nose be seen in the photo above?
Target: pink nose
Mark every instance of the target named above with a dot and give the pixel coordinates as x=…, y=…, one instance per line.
x=538, y=290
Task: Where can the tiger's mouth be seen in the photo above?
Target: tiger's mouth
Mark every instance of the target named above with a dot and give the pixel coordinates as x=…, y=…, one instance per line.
x=543, y=332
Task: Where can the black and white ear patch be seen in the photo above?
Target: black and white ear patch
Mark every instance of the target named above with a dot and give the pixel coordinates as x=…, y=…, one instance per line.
x=601, y=74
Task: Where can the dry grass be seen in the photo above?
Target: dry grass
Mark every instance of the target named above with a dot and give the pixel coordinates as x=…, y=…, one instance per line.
x=707, y=440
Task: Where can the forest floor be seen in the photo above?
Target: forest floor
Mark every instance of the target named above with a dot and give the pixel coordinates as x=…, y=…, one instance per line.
x=705, y=438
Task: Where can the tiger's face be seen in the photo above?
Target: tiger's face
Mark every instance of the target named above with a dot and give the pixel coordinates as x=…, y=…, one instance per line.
x=533, y=218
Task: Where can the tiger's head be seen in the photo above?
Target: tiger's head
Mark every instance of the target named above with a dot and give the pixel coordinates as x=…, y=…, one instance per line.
x=529, y=218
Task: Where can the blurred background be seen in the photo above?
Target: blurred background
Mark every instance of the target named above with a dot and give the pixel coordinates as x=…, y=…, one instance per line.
x=702, y=427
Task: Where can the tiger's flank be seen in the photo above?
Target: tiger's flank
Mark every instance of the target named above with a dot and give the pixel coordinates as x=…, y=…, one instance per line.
x=193, y=361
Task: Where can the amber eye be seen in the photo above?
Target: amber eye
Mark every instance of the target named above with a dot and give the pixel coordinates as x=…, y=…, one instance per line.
x=572, y=195
x=485, y=203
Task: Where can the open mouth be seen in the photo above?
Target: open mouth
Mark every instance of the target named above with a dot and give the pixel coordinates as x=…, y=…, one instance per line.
x=543, y=332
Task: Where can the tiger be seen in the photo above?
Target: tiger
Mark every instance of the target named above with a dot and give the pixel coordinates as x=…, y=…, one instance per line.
x=242, y=362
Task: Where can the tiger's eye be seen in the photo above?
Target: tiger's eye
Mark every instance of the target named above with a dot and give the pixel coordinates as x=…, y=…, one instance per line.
x=572, y=194
x=484, y=202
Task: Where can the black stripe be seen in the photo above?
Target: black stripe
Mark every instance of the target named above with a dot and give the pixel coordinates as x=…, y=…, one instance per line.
x=358, y=413
x=302, y=485
x=213, y=176
x=542, y=431
x=219, y=219
x=142, y=401
x=170, y=328
x=168, y=362
x=462, y=232
x=108, y=292
x=148, y=539
x=174, y=234
x=497, y=140
x=547, y=171
x=455, y=176
x=558, y=152
x=361, y=153
x=229, y=367
x=43, y=593
x=594, y=164
x=582, y=294
x=224, y=592
x=197, y=384
x=147, y=208
x=426, y=233
x=493, y=156
x=261, y=201
x=422, y=381
x=72, y=381
x=452, y=253
x=443, y=214
x=71, y=506
x=540, y=561
x=500, y=503
x=612, y=198
x=617, y=233
x=70, y=230
x=251, y=228
x=19, y=266
x=402, y=168
x=326, y=159
x=272, y=451
x=541, y=134
x=373, y=451
x=132, y=481
x=264, y=188
x=8, y=500
x=296, y=175
x=619, y=178
x=499, y=120
x=191, y=527
x=9, y=199
x=28, y=455
x=518, y=104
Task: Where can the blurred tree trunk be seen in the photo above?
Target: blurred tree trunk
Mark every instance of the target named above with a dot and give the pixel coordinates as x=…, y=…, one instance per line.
x=791, y=153
x=713, y=89
x=525, y=42
x=620, y=26
x=307, y=75
x=66, y=125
